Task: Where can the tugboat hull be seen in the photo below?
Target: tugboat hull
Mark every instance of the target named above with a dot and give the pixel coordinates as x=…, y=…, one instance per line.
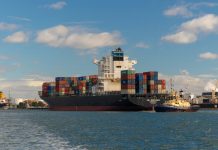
x=175, y=109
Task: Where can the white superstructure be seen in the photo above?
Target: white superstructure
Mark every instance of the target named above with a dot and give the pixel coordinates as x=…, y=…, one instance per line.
x=109, y=70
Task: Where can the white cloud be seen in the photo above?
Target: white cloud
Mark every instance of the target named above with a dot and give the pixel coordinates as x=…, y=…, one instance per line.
x=178, y=11
x=21, y=88
x=20, y=18
x=187, y=9
x=207, y=76
x=3, y=57
x=202, y=4
x=206, y=24
x=208, y=55
x=77, y=37
x=17, y=37
x=142, y=45
x=57, y=5
x=7, y=26
x=211, y=85
x=189, y=31
x=182, y=37
x=27, y=87
x=190, y=83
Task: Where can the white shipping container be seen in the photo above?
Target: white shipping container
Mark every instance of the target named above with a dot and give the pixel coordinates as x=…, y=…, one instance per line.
x=52, y=83
x=159, y=86
x=94, y=89
x=61, y=93
x=162, y=91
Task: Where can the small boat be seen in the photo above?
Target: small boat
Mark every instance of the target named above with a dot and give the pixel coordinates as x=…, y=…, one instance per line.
x=176, y=104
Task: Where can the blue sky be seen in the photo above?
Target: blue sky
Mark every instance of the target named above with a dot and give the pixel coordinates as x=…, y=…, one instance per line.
x=40, y=40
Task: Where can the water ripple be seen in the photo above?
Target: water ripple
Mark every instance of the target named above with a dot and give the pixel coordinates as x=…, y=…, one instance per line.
x=27, y=130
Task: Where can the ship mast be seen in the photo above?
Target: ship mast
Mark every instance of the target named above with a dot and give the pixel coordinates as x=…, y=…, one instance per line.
x=171, y=86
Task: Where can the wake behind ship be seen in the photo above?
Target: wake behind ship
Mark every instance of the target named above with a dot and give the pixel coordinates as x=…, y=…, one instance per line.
x=116, y=88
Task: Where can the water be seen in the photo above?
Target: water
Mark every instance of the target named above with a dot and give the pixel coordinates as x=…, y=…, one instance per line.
x=51, y=130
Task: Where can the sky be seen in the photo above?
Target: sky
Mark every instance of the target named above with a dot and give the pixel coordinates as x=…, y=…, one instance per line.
x=41, y=40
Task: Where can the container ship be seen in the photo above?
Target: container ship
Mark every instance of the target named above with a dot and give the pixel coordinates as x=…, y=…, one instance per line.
x=116, y=87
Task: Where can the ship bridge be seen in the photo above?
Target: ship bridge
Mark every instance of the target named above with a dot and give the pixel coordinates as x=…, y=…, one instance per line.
x=109, y=70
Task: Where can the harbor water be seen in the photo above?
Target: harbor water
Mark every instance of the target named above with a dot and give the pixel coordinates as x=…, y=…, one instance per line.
x=56, y=130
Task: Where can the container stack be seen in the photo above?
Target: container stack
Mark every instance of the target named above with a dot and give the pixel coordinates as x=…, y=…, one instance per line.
x=81, y=87
x=131, y=83
x=75, y=85
x=127, y=82
x=48, y=89
x=145, y=83
x=152, y=78
x=161, y=86
x=63, y=85
x=140, y=83
x=93, y=79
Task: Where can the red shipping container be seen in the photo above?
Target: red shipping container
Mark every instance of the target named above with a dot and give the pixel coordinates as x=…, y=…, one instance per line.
x=163, y=87
x=93, y=77
x=145, y=77
x=57, y=89
x=66, y=90
x=126, y=86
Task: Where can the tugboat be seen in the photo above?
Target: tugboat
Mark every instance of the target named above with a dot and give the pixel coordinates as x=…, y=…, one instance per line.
x=176, y=104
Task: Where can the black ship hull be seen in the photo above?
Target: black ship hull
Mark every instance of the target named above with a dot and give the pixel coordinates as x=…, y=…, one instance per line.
x=93, y=103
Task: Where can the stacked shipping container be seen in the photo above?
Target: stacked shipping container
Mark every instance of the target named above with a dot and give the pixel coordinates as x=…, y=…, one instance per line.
x=63, y=85
x=161, y=86
x=146, y=82
x=131, y=83
x=141, y=83
x=93, y=79
x=127, y=82
x=152, y=78
x=48, y=88
x=70, y=85
x=81, y=86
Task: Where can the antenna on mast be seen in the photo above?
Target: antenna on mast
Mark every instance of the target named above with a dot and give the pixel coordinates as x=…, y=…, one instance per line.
x=171, y=86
